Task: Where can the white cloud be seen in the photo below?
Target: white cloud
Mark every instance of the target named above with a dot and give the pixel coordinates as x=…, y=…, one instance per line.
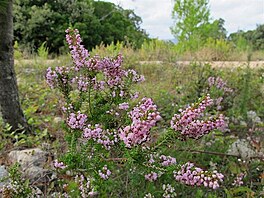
x=238, y=14
x=157, y=20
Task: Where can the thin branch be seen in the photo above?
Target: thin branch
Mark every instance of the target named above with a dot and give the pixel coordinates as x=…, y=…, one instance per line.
x=219, y=154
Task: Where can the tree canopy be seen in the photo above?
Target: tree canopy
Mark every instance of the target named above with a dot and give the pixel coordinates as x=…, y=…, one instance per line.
x=99, y=22
x=192, y=23
x=252, y=38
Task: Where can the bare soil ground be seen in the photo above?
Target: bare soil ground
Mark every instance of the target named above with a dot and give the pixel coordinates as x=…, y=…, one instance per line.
x=252, y=64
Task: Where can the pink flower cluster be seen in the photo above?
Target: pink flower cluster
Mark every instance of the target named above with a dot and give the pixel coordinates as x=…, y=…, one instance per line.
x=134, y=76
x=144, y=117
x=219, y=83
x=123, y=106
x=82, y=83
x=85, y=186
x=163, y=160
x=151, y=176
x=169, y=191
x=167, y=160
x=100, y=136
x=104, y=173
x=79, y=54
x=76, y=121
x=97, y=84
x=194, y=176
x=112, y=71
x=238, y=181
x=51, y=77
x=59, y=75
x=188, y=124
x=113, y=76
x=59, y=165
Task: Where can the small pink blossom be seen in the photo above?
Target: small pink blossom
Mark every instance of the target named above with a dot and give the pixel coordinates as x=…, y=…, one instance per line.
x=123, y=106
x=76, y=121
x=151, y=176
x=59, y=165
x=238, y=181
x=105, y=173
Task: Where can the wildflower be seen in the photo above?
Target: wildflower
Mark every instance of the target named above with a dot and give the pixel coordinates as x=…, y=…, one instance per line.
x=151, y=176
x=188, y=124
x=123, y=106
x=59, y=165
x=143, y=117
x=105, y=173
x=194, y=176
x=238, y=181
x=169, y=191
x=167, y=160
x=103, y=137
x=76, y=121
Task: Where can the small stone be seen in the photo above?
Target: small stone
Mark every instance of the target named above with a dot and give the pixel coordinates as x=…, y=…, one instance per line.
x=241, y=147
x=57, y=120
x=32, y=163
x=28, y=157
x=37, y=174
x=3, y=175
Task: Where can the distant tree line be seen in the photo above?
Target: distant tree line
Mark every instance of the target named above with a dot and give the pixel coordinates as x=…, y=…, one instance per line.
x=39, y=21
x=252, y=38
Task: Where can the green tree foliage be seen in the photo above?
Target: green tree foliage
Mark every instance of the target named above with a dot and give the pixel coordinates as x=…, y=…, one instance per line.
x=118, y=24
x=189, y=16
x=41, y=21
x=250, y=39
x=215, y=30
x=192, y=23
x=3, y=5
x=258, y=37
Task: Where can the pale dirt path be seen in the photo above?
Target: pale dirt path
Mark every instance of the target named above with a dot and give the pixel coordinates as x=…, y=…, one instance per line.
x=252, y=64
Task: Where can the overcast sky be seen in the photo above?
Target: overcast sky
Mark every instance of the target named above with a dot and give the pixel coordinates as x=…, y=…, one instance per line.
x=157, y=20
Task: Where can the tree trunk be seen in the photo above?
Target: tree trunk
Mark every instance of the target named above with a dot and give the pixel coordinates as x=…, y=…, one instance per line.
x=9, y=99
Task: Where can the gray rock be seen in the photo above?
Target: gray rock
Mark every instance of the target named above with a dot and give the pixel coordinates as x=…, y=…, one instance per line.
x=32, y=162
x=37, y=174
x=3, y=175
x=242, y=147
x=29, y=157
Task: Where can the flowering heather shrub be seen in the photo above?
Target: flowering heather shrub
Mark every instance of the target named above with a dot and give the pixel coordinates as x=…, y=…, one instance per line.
x=104, y=173
x=220, y=89
x=76, y=121
x=238, y=181
x=104, y=128
x=191, y=175
x=59, y=165
x=219, y=83
x=189, y=124
x=151, y=176
x=143, y=117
